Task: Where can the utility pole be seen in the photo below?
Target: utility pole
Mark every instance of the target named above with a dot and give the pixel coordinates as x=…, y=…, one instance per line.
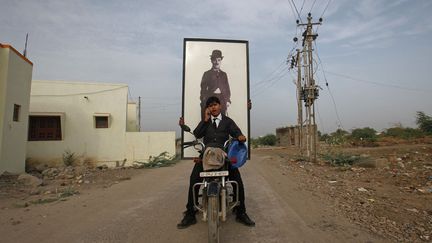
x=25, y=47
x=309, y=91
x=299, y=104
x=139, y=113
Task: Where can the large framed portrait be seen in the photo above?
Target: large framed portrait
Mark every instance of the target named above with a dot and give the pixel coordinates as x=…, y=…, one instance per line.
x=214, y=67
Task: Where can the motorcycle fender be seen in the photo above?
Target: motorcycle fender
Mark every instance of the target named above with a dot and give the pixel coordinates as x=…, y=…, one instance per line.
x=213, y=189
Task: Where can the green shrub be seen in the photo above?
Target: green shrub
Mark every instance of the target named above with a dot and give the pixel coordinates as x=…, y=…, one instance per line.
x=424, y=122
x=341, y=159
x=268, y=140
x=68, y=157
x=404, y=133
x=364, y=134
x=337, y=138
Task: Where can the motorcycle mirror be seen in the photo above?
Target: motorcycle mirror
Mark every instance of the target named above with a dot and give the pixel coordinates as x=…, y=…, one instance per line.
x=185, y=128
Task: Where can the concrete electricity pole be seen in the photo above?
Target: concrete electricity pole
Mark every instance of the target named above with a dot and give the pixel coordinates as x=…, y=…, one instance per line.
x=309, y=91
x=299, y=103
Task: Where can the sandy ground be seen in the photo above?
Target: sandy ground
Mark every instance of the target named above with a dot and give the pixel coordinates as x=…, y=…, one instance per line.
x=147, y=208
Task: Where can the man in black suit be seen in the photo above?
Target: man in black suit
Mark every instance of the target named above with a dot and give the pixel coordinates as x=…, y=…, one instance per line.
x=216, y=129
x=214, y=82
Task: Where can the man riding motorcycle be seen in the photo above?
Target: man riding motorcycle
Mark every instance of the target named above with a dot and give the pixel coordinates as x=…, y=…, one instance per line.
x=215, y=128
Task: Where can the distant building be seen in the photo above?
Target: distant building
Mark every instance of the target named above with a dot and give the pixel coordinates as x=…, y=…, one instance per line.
x=15, y=83
x=290, y=136
x=94, y=121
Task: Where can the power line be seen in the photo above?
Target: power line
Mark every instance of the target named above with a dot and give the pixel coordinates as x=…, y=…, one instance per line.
x=275, y=80
x=270, y=84
x=379, y=84
x=302, y=6
x=270, y=74
x=325, y=9
x=313, y=4
x=296, y=10
x=295, y=7
x=84, y=93
x=335, y=107
x=292, y=10
x=328, y=88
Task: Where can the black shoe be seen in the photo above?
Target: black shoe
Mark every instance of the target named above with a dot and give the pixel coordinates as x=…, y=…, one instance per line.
x=244, y=219
x=188, y=220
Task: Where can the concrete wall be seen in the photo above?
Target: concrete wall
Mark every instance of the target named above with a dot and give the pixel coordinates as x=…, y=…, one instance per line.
x=78, y=103
x=290, y=136
x=141, y=145
x=15, y=85
x=132, y=118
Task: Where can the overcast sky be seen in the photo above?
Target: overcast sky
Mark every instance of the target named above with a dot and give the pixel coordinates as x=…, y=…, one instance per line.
x=376, y=54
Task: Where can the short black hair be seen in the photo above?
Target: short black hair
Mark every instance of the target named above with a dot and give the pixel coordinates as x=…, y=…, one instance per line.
x=211, y=100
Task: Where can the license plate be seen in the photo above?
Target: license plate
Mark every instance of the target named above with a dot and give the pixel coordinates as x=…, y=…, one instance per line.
x=214, y=173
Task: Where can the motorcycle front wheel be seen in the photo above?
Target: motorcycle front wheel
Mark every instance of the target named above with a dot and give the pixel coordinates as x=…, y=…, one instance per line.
x=213, y=219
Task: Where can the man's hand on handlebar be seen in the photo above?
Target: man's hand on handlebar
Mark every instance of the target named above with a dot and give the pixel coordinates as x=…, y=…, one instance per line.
x=241, y=138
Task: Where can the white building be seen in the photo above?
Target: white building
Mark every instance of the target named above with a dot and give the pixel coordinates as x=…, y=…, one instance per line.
x=91, y=120
x=15, y=82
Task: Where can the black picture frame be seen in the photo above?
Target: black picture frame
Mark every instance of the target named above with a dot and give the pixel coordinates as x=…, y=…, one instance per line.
x=196, y=61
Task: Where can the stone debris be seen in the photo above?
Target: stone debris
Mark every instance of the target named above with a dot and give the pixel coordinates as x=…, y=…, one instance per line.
x=29, y=180
x=362, y=189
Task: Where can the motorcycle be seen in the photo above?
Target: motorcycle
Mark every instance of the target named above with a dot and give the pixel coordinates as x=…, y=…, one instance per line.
x=218, y=194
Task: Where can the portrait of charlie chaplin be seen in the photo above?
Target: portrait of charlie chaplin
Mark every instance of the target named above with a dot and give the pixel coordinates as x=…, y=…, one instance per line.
x=214, y=82
x=214, y=67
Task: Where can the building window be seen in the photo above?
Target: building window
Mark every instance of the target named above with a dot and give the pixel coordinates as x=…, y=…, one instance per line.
x=44, y=128
x=16, y=112
x=101, y=121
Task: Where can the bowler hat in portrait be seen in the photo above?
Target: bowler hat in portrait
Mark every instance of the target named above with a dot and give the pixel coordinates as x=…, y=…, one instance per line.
x=216, y=54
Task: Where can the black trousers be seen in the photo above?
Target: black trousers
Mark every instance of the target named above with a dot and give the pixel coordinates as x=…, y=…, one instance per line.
x=234, y=175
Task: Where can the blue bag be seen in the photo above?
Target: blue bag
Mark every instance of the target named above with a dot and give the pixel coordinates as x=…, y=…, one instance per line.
x=237, y=154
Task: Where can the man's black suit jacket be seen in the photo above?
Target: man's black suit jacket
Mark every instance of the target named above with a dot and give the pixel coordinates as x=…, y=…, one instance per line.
x=216, y=137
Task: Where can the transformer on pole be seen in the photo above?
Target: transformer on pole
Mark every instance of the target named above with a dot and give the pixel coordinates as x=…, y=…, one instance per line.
x=307, y=92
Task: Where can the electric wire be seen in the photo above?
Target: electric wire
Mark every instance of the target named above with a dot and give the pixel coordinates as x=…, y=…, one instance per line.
x=325, y=9
x=302, y=6
x=313, y=4
x=319, y=117
x=271, y=81
x=292, y=10
x=298, y=14
x=265, y=80
x=379, y=83
x=328, y=88
x=83, y=93
x=270, y=84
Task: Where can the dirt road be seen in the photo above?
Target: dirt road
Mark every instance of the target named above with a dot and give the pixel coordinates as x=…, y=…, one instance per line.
x=148, y=207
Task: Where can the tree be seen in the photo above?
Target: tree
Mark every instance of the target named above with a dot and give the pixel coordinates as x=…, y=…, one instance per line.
x=424, y=122
x=269, y=140
x=364, y=134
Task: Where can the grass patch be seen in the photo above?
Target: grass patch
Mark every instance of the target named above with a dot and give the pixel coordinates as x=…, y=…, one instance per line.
x=44, y=200
x=162, y=160
x=68, y=193
x=341, y=159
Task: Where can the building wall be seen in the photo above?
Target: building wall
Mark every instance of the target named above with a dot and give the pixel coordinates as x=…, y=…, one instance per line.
x=132, y=118
x=4, y=61
x=290, y=136
x=15, y=85
x=141, y=145
x=78, y=103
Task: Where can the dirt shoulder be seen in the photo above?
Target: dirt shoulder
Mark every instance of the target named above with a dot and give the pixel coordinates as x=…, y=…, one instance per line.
x=388, y=192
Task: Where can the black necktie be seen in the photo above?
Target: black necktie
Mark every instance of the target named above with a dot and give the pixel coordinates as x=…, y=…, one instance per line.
x=214, y=122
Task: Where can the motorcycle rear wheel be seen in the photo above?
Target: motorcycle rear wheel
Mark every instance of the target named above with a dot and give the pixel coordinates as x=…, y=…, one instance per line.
x=213, y=219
